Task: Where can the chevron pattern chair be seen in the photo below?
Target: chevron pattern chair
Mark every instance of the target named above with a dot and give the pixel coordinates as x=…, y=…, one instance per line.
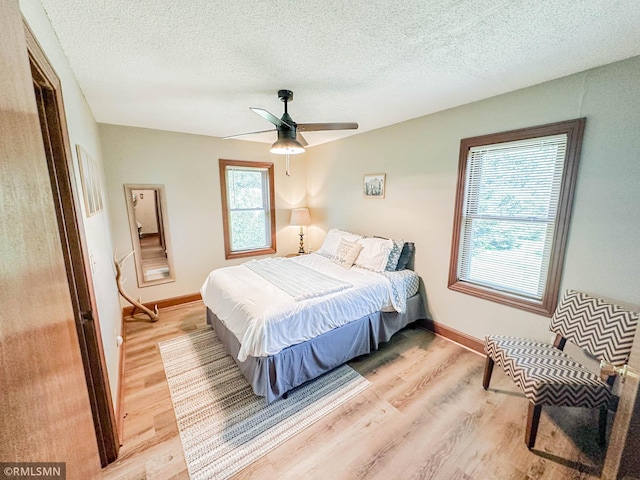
x=548, y=376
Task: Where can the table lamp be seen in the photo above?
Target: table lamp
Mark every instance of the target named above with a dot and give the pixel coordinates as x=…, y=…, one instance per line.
x=300, y=217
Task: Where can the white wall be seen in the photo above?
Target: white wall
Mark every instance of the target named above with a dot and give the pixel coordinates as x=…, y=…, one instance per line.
x=420, y=158
x=188, y=167
x=83, y=130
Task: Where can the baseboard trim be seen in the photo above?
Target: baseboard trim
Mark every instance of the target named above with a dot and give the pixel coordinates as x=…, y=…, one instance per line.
x=167, y=302
x=120, y=411
x=449, y=333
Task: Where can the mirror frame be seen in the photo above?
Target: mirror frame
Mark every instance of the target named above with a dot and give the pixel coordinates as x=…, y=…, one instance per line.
x=135, y=240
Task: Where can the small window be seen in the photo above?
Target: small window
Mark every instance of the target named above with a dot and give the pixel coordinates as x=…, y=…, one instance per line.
x=513, y=206
x=248, y=211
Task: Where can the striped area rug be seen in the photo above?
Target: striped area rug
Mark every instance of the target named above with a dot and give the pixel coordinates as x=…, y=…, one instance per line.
x=223, y=425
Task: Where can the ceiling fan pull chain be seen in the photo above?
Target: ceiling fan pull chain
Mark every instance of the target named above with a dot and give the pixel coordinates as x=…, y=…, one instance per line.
x=287, y=169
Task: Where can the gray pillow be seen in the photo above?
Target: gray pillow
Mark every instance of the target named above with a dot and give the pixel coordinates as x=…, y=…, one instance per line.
x=406, y=255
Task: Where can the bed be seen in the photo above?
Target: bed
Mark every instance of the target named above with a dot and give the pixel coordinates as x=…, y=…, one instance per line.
x=287, y=321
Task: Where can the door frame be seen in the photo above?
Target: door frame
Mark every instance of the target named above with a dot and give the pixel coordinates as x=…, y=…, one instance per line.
x=48, y=94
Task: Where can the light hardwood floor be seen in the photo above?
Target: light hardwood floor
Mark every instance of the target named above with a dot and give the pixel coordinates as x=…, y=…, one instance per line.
x=425, y=416
x=155, y=264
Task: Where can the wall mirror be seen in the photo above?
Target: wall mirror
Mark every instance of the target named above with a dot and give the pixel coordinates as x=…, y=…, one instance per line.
x=150, y=234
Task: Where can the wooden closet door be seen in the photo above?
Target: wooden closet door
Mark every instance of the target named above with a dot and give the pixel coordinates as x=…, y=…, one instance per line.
x=44, y=407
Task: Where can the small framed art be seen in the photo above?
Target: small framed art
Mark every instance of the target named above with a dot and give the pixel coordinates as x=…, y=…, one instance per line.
x=91, y=186
x=373, y=185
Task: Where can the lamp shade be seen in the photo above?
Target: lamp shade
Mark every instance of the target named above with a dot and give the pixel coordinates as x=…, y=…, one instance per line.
x=300, y=217
x=284, y=146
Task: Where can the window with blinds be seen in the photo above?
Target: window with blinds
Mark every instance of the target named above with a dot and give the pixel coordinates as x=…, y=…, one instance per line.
x=512, y=213
x=248, y=212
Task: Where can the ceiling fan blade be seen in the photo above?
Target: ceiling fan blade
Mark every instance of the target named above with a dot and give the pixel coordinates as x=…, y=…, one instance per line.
x=314, y=127
x=270, y=117
x=247, y=133
x=301, y=139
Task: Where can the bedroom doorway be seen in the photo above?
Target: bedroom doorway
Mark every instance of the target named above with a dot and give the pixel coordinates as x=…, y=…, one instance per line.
x=47, y=90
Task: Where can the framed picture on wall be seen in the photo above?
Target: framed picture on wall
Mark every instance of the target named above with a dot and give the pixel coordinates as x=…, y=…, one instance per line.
x=373, y=185
x=91, y=185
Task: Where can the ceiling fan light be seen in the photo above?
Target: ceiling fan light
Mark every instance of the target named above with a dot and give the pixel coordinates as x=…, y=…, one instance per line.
x=287, y=146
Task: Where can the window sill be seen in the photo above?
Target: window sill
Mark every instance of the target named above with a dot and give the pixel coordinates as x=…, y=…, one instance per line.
x=249, y=253
x=545, y=307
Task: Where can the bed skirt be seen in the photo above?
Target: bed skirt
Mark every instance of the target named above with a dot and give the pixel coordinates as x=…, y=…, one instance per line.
x=273, y=376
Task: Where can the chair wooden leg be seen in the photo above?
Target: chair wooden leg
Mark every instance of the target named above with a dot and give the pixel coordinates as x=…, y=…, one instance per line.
x=488, y=369
x=533, y=418
x=602, y=426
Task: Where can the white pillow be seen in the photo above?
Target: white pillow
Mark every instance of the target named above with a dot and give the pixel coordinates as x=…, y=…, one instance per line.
x=331, y=242
x=347, y=253
x=374, y=254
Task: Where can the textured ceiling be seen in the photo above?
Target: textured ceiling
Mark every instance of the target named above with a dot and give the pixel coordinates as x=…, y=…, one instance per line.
x=197, y=66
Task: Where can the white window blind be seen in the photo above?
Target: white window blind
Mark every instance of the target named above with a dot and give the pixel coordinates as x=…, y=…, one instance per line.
x=509, y=214
x=249, y=209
